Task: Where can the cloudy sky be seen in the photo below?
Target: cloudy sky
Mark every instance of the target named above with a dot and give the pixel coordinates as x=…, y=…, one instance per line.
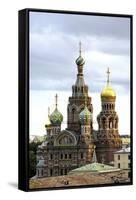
x=54, y=40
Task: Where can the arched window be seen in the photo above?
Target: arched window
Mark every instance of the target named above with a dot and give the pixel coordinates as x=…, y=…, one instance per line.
x=65, y=156
x=116, y=124
x=104, y=123
x=61, y=156
x=82, y=155
x=73, y=114
x=110, y=124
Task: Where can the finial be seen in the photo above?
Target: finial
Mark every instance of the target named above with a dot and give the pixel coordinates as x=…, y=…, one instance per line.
x=48, y=111
x=108, y=75
x=80, y=48
x=56, y=100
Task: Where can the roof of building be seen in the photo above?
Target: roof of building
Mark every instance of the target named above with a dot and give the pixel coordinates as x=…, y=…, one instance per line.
x=123, y=150
x=95, y=167
x=41, y=163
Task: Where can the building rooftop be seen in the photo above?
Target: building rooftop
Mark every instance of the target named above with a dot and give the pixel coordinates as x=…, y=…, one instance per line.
x=95, y=167
x=123, y=150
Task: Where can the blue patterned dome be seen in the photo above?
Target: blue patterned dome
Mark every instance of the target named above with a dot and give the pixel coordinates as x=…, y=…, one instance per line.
x=56, y=117
x=85, y=116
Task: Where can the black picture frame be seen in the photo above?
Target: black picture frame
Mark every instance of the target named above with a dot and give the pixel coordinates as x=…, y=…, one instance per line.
x=23, y=98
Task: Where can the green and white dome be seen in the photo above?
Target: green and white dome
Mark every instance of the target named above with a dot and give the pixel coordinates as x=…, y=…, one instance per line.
x=85, y=116
x=56, y=117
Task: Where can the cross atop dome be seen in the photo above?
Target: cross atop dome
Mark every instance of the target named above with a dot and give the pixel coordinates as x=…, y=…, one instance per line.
x=80, y=48
x=108, y=75
x=56, y=100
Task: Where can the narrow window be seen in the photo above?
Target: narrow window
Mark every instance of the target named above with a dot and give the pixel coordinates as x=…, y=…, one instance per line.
x=51, y=156
x=61, y=172
x=65, y=156
x=51, y=172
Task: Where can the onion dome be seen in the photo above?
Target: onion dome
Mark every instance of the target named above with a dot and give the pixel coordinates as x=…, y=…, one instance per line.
x=108, y=92
x=56, y=117
x=85, y=116
x=80, y=61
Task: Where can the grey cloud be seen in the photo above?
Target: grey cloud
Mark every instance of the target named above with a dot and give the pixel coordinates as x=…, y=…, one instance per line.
x=54, y=48
x=81, y=25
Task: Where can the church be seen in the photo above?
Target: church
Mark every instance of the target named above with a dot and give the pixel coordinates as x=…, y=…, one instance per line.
x=74, y=147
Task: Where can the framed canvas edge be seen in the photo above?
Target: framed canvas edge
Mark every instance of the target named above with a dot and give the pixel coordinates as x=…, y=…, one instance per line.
x=23, y=97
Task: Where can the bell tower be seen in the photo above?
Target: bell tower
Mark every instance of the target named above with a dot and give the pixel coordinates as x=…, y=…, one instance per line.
x=108, y=135
x=79, y=96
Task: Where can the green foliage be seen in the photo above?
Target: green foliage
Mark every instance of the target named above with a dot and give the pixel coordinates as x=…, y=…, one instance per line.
x=32, y=158
x=32, y=164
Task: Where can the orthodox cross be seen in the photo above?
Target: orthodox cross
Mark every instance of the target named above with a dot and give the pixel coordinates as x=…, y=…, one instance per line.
x=108, y=75
x=56, y=100
x=80, y=48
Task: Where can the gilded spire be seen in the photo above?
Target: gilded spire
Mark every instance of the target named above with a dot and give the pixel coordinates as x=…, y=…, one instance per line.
x=108, y=76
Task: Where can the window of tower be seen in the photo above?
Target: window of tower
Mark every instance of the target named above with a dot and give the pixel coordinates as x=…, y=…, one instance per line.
x=116, y=124
x=70, y=156
x=73, y=114
x=51, y=156
x=61, y=156
x=82, y=155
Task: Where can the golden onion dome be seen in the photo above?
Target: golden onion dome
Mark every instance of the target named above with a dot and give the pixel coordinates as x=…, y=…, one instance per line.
x=108, y=92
